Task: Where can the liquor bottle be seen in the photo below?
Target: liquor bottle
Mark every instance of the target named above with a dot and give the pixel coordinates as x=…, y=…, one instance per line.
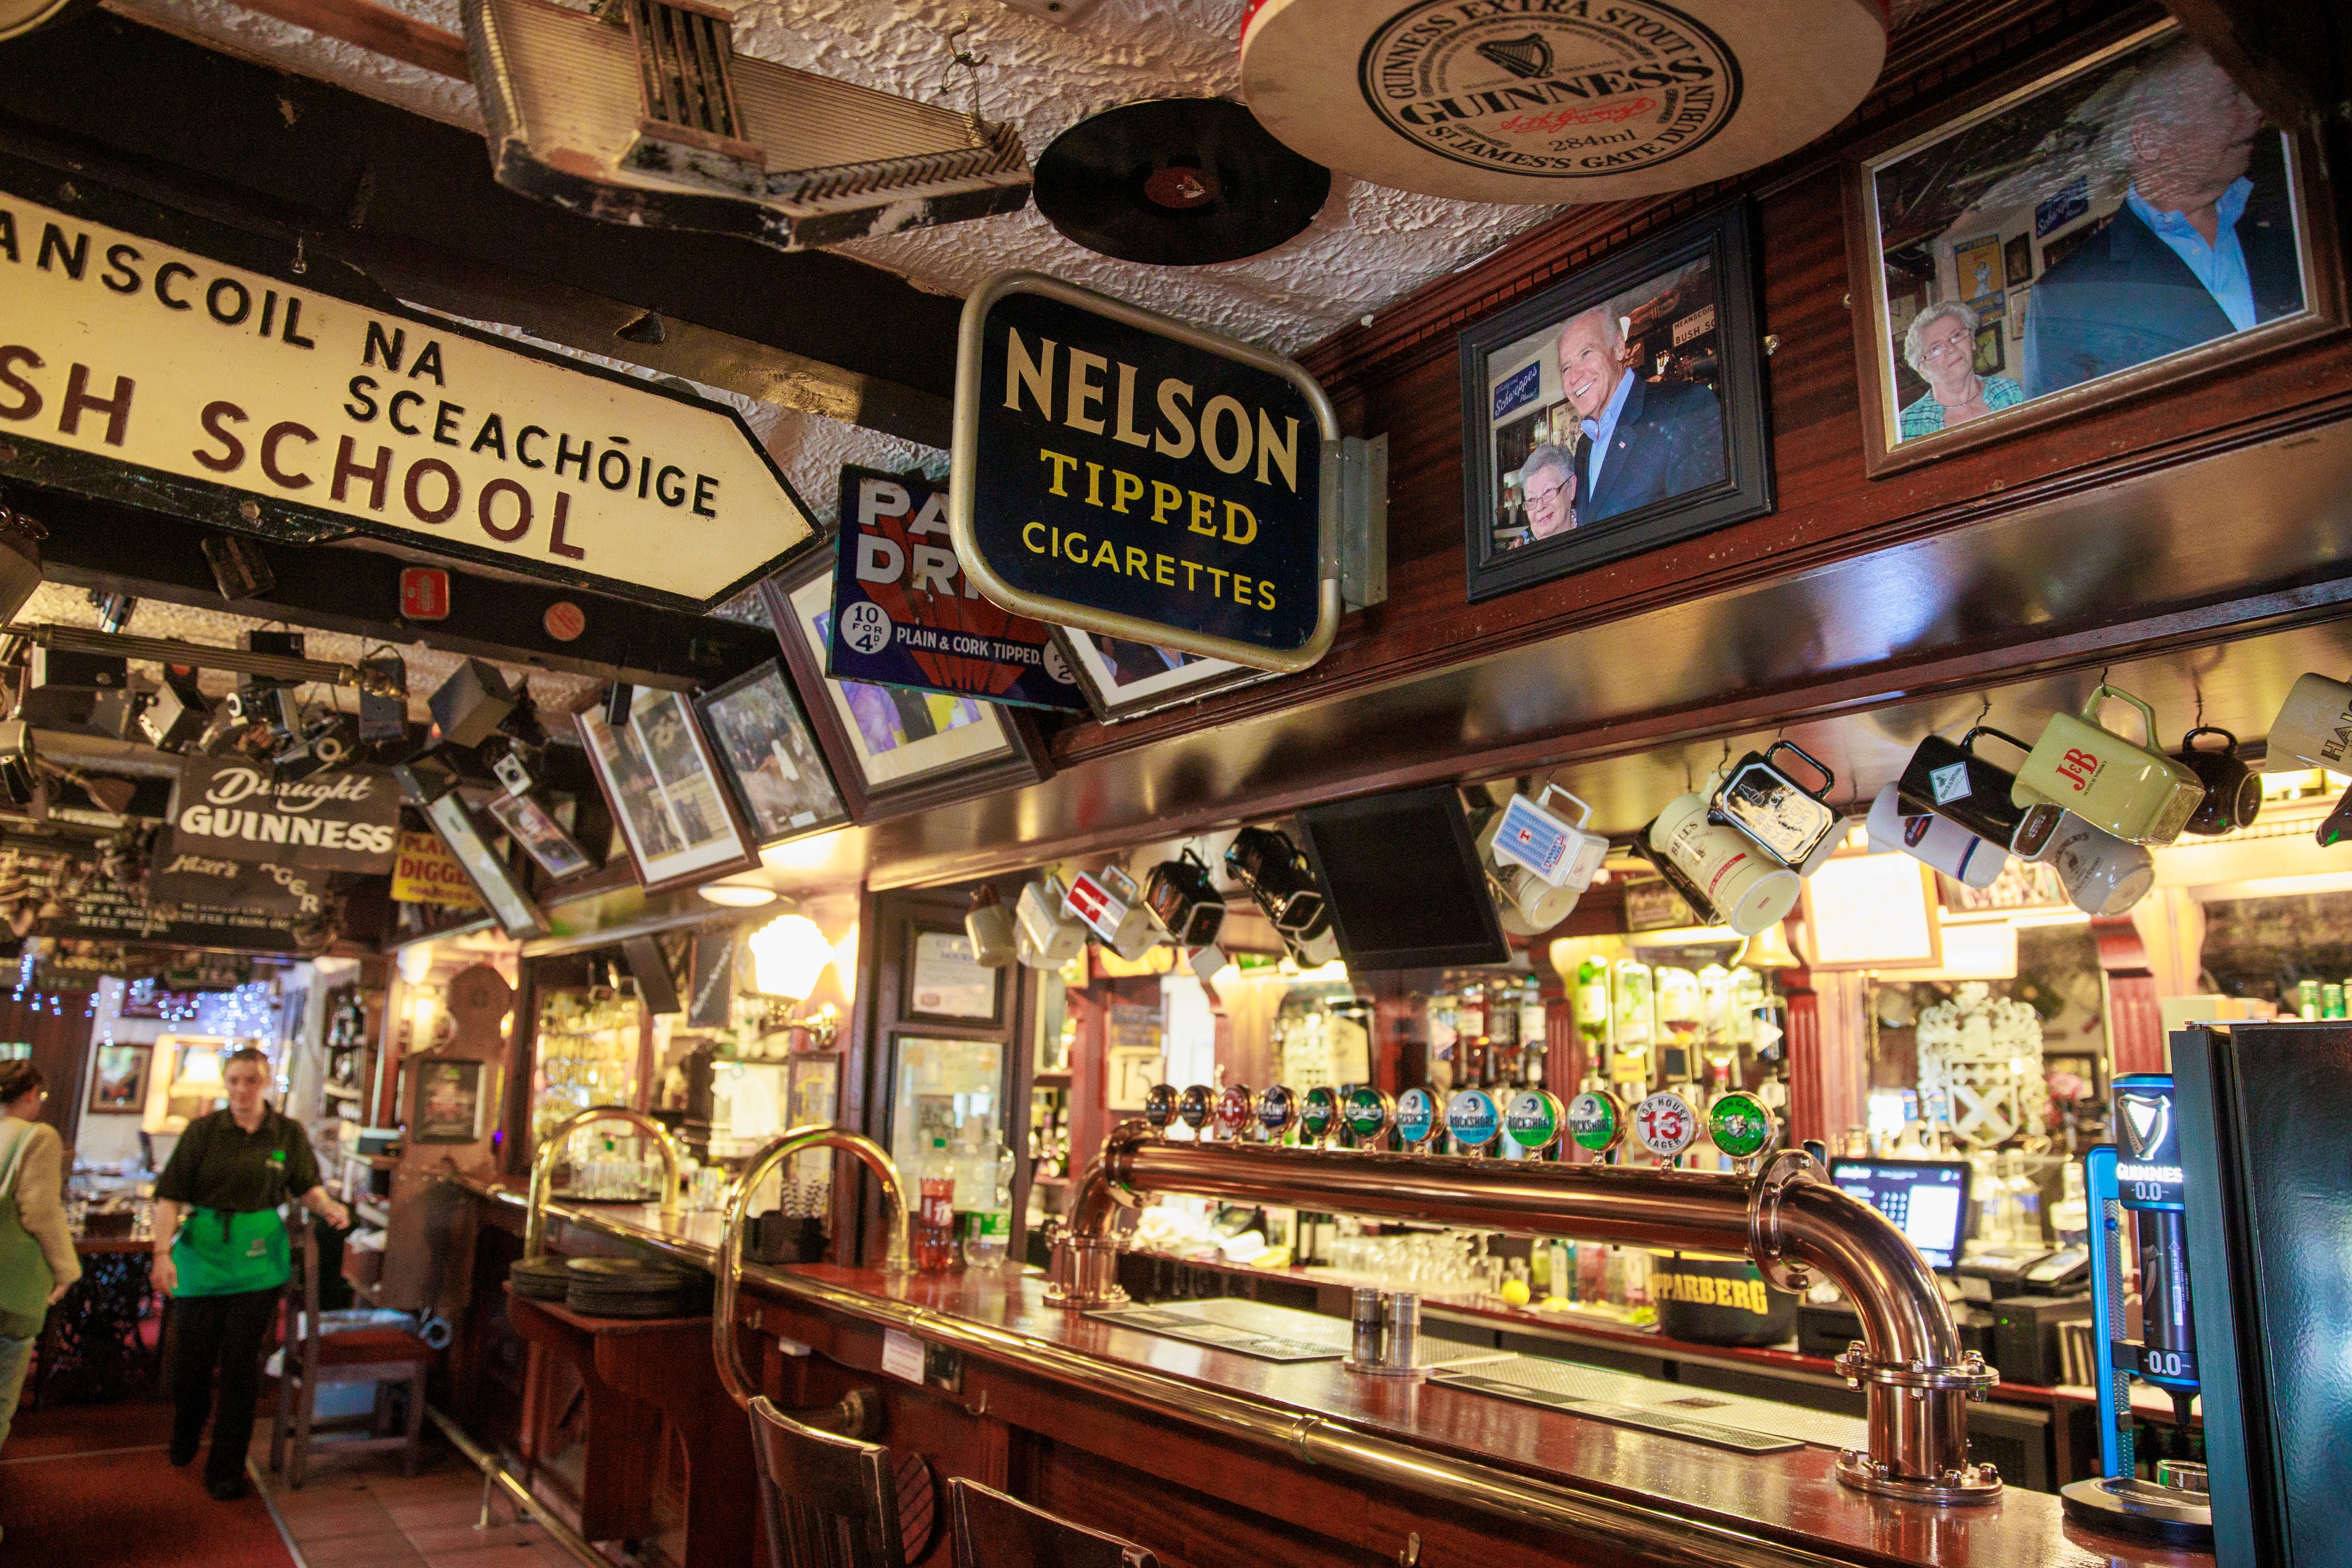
x=1589, y=1008
x=934, y=1214
x=986, y=1183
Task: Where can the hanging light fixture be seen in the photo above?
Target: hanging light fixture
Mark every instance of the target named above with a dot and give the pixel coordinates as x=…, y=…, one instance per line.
x=1769, y=949
x=744, y=891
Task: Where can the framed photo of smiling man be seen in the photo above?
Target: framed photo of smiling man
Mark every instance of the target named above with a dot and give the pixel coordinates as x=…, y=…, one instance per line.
x=1616, y=411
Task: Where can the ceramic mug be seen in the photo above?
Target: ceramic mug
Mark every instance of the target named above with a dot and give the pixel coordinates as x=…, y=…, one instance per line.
x=1746, y=886
x=1966, y=858
x=1525, y=903
x=1137, y=932
x=2103, y=875
x=1052, y=937
x=1784, y=817
x=1183, y=899
x=1529, y=835
x=1946, y=778
x=988, y=924
x=2234, y=795
x=2312, y=729
x=2134, y=792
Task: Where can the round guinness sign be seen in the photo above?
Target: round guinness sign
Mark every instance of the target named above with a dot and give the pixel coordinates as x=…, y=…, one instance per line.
x=1555, y=101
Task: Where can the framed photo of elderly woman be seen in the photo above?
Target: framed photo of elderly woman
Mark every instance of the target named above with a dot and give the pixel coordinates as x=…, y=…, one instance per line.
x=1618, y=411
x=2116, y=220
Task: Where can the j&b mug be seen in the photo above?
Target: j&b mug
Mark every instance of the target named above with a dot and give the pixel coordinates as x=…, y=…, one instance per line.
x=2132, y=791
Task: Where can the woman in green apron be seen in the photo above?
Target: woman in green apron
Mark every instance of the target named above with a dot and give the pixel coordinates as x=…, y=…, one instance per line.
x=222, y=1250
x=38, y=1264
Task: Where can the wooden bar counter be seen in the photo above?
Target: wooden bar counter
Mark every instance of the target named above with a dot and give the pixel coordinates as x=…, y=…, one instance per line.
x=1212, y=1457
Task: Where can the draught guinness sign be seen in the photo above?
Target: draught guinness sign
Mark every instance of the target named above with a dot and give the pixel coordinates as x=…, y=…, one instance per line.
x=231, y=809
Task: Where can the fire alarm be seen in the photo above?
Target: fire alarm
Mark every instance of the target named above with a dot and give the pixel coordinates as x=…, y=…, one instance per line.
x=423, y=594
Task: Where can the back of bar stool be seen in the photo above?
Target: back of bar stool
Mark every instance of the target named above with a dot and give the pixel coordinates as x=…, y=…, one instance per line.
x=994, y=1531
x=830, y=1502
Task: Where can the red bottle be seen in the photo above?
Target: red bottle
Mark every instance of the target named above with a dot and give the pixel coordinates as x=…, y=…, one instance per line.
x=935, y=1244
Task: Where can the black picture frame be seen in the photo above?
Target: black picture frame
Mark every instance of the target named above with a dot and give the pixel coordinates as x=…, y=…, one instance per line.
x=1714, y=251
x=740, y=725
x=1009, y=754
x=1116, y=688
x=911, y=1007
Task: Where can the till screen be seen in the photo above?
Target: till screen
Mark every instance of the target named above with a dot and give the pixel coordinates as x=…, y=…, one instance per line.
x=1926, y=1199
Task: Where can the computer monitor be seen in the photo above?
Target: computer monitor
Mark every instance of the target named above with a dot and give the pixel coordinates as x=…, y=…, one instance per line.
x=1926, y=1199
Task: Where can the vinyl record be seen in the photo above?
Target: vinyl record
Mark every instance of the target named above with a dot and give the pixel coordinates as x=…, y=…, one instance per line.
x=1177, y=182
x=1556, y=104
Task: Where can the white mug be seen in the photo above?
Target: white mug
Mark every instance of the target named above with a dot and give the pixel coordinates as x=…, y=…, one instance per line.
x=2313, y=730
x=990, y=926
x=1053, y=937
x=1526, y=904
x=1207, y=963
x=1748, y=888
x=1938, y=841
x=2103, y=875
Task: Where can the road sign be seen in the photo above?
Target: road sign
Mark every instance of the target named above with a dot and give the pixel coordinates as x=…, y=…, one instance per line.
x=241, y=386
x=1120, y=472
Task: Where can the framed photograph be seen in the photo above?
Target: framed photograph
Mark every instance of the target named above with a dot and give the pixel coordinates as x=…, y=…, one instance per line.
x=117, y=1084
x=542, y=838
x=519, y=915
x=661, y=778
x=1619, y=411
x=1128, y=680
x=2164, y=228
x=893, y=750
x=770, y=757
x=946, y=984
x=448, y=1108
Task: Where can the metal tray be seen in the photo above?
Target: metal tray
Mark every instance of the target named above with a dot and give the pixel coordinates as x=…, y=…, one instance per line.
x=1671, y=1409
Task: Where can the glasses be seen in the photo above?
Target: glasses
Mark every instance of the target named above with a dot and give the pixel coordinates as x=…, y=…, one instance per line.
x=1537, y=497
x=1941, y=347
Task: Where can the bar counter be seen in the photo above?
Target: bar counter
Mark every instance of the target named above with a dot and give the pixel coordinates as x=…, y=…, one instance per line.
x=1209, y=1456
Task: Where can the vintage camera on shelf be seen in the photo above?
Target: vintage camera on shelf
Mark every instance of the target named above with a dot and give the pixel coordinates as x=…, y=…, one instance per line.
x=174, y=718
x=1278, y=877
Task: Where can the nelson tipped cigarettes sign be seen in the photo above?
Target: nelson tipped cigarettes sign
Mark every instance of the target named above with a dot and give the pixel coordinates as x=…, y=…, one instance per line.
x=263, y=401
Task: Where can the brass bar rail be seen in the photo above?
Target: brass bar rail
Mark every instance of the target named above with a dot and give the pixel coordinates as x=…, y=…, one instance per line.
x=741, y=1382
x=1785, y=1219
x=542, y=1166
x=496, y=1474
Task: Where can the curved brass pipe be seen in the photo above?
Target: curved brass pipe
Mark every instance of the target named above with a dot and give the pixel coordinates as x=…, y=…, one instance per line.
x=542, y=1167
x=740, y=1383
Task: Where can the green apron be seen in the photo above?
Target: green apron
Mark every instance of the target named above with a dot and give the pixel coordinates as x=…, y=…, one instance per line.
x=26, y=1280
x=227, y=1252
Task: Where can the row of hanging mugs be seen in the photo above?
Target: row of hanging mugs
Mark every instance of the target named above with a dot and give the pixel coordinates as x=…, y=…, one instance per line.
x=2086, y=800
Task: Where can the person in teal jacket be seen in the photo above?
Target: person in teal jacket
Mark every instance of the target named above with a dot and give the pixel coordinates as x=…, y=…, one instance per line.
x=228, y=1259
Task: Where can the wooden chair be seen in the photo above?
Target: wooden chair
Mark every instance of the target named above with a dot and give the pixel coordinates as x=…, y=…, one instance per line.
x=830, y=1502
x=994, y=1531
x=317, y=1352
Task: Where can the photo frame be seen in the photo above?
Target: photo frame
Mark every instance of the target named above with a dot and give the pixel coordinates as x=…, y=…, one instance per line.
x=1656, y=348
x=881, y=764
x=2020, y=219
x=660, y=777
x=945, y=984
x=517, y=912
x=770, y=755
x=117, y=1079
x=449, y=1104
x=528, y=824
x=1126, y=680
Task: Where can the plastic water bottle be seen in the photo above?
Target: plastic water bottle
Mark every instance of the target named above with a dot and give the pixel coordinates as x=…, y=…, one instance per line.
x=935, y=1214
x=987, y=1186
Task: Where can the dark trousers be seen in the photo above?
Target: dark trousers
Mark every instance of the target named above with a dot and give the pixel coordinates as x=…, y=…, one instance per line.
x=224, y=1331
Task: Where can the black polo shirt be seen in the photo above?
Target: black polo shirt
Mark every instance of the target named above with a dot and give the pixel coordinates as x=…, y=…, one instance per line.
x=220, y=1165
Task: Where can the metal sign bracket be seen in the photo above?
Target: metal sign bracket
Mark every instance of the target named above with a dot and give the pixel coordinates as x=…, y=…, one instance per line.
x=1363, y=520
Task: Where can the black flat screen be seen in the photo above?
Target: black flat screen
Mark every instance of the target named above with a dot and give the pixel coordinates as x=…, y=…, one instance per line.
x=1406, y=887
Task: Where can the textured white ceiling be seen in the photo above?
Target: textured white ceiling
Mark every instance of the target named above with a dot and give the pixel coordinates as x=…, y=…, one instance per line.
x=1370, y=245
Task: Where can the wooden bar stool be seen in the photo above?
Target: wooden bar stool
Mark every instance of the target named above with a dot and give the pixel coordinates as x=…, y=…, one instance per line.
x=994, y=1531
x=317, y=1352
x=830, y=1502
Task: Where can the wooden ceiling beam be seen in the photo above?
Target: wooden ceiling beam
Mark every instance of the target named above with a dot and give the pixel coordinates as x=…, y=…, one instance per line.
x=410, y=200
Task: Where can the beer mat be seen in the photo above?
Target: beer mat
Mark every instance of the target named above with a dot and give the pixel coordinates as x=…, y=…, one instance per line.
x=1670, y=1409
x=1275, y=1333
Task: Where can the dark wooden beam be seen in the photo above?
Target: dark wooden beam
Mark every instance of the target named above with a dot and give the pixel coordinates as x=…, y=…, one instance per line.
x=348, y=588
x=410, y=200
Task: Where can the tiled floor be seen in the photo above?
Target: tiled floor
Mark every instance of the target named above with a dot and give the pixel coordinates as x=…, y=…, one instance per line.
x=359, y=1511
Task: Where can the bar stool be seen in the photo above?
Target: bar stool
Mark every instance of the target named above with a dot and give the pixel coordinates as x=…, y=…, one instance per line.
x=837, y=1503
x=994, y=1531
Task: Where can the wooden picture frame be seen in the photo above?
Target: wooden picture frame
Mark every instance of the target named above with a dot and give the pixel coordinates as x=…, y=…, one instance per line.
x=1001, y=750
x=533, y=828
x=2044, y=155
x=1120, y=680
x=770, y=756
x=942, y=984
x=1684, y=408
x=1885, y=914
x=660, y=776
x=117, y=1079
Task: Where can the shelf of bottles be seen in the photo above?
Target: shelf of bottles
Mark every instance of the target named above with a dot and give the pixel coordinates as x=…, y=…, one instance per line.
x=585, y=1053
x=346, y=1043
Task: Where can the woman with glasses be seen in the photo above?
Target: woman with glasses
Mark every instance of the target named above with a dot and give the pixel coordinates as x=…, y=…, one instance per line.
x=1942, y=347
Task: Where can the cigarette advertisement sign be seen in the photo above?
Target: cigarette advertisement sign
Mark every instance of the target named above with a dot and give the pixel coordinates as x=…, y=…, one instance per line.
x=1119, y=473
x=905, y=614
x=264, y=401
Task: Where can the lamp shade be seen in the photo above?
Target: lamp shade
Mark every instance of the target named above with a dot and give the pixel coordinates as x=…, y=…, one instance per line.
x=788, y=954
x=1769, y=949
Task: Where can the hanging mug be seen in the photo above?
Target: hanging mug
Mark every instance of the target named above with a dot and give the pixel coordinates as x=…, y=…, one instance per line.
x=1137, y=932
x=1184, y=901
x=1744, y=887
x=2103, y=875
x=2233, y=794
x=988, y=924
x=1526, y=834
x=1947, y=779
x=2312, y=729
x=1966, y=858
x=1763, y=802
x=2134, y=792
x=1526, y=901
x=1054, y=938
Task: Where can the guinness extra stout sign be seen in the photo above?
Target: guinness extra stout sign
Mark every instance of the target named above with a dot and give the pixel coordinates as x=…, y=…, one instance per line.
x=1555, y=101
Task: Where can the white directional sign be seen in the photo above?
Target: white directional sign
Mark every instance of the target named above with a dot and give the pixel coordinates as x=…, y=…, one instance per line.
x=140, y=372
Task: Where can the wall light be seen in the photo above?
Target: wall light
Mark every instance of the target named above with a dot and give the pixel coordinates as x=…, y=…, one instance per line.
x=744, y=891
x=788, y=954
x=199, y=1068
